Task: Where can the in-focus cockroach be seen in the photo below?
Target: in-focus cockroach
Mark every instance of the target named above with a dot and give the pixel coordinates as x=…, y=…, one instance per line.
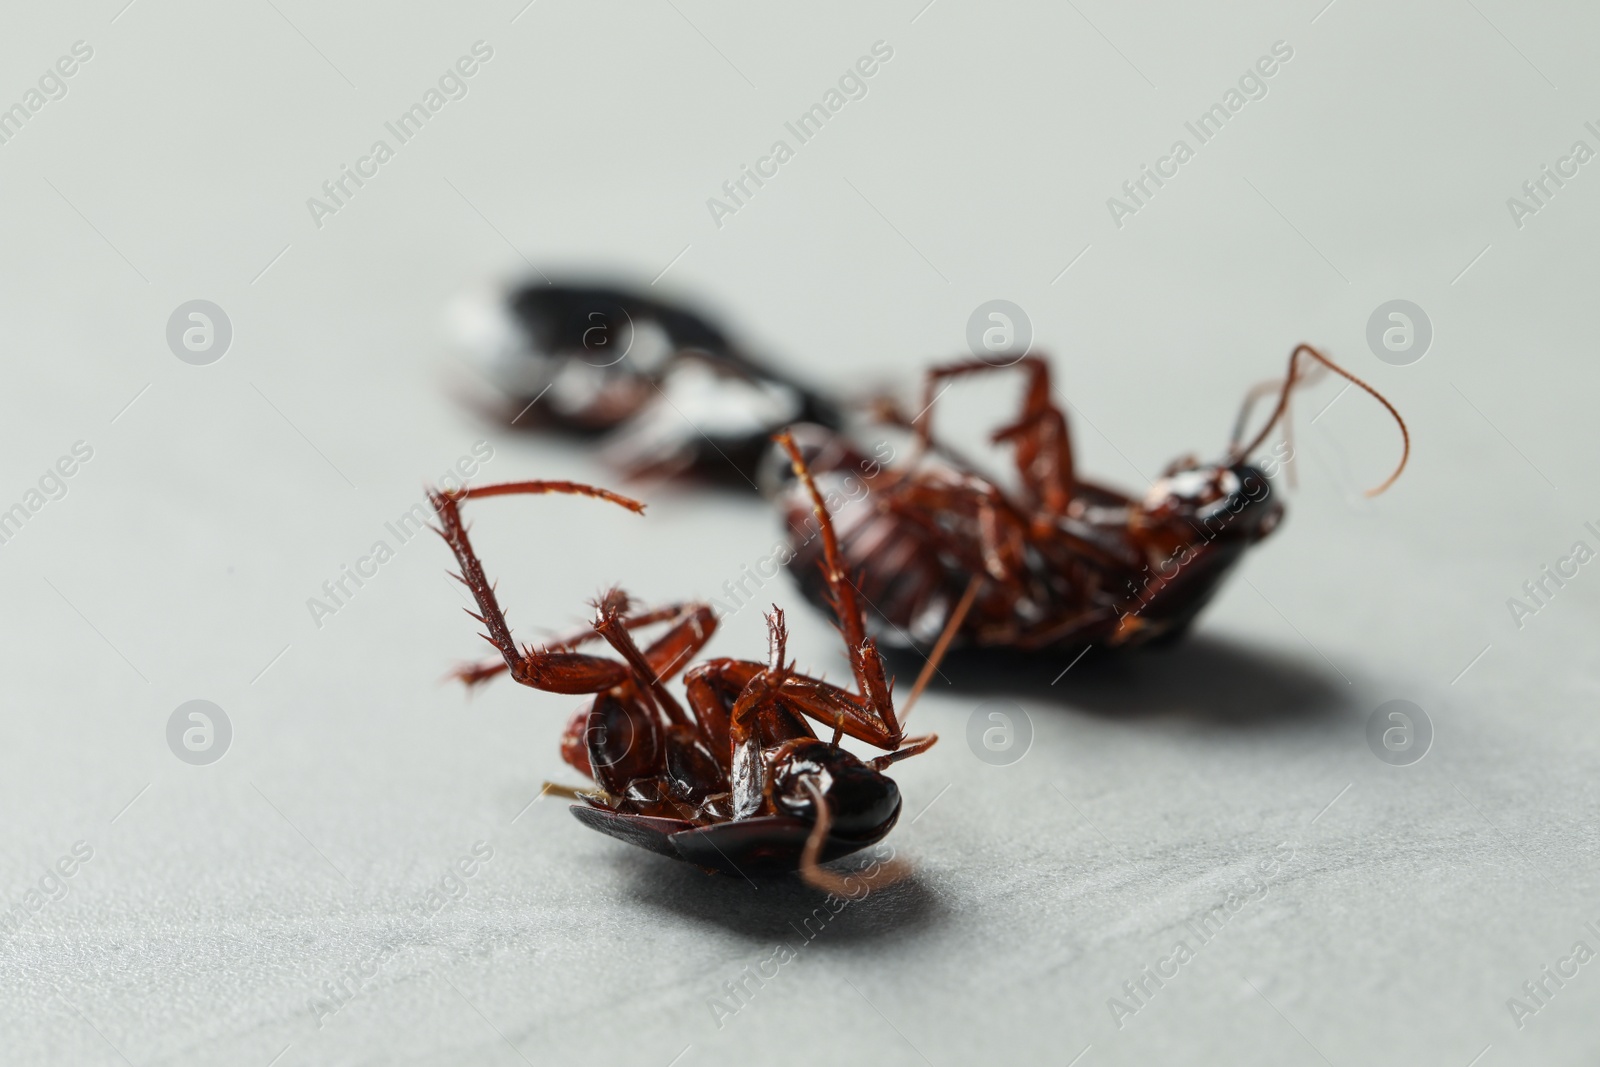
x=672, y=394
x=1059, y=563
x=739, y=782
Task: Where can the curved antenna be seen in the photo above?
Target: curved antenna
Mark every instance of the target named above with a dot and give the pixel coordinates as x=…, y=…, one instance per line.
x=1236, y=453
x=819, y=877
x=1257, y=391
x=543, y=486
x=1267, y=388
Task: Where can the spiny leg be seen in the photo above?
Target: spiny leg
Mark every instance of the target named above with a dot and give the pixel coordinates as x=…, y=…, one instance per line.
x=690, y=631
x=869, y=715
x=608, y=623
x=838, y=708
x=865, y=663
x=570, y=672
x=842, y=709
x=1042, y=442
x=748, y=768
x=714, y=686
x=692, y=625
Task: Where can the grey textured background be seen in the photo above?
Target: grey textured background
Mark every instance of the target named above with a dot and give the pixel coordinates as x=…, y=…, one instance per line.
x=221, y=901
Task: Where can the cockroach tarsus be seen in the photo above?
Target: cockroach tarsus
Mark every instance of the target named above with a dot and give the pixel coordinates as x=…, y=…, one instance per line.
x=738, y=782
x=1061, y=562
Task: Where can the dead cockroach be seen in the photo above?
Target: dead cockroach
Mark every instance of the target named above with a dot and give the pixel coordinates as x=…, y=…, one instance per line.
x=671, y=392
x=1061, y=563
x=739, y=782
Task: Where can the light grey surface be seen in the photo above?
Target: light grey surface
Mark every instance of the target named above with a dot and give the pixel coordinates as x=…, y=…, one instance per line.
x=220, y=901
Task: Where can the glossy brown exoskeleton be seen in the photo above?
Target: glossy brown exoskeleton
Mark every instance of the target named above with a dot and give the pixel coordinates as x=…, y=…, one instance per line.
x=669, y=390
x=1060, y=563
x=738, y=781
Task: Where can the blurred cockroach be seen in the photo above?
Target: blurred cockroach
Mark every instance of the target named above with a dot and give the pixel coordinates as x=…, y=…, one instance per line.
x=1061, y=563
x=739, y=782
x=668, y=389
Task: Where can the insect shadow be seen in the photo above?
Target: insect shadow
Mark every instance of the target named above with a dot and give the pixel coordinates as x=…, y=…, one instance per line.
x=1209, y=679
x=786, y=910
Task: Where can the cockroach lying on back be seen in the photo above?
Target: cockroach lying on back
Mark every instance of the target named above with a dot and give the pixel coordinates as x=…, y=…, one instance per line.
x=739, y=782
x=1061, y=563
x=670, y=391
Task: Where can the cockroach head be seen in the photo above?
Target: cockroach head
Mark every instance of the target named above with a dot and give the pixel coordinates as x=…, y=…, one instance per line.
x=1217, y=498
x=861, y=801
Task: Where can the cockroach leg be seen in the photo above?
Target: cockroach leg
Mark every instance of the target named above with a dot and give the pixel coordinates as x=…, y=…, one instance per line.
x=472, y=675
x=559, y=672
x=839, y=708
x=777, y=639
x=912, y=746
x=608, y=623
x=691, y=625
x=748, y=777
x=865, y=663
x=1040, y=436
